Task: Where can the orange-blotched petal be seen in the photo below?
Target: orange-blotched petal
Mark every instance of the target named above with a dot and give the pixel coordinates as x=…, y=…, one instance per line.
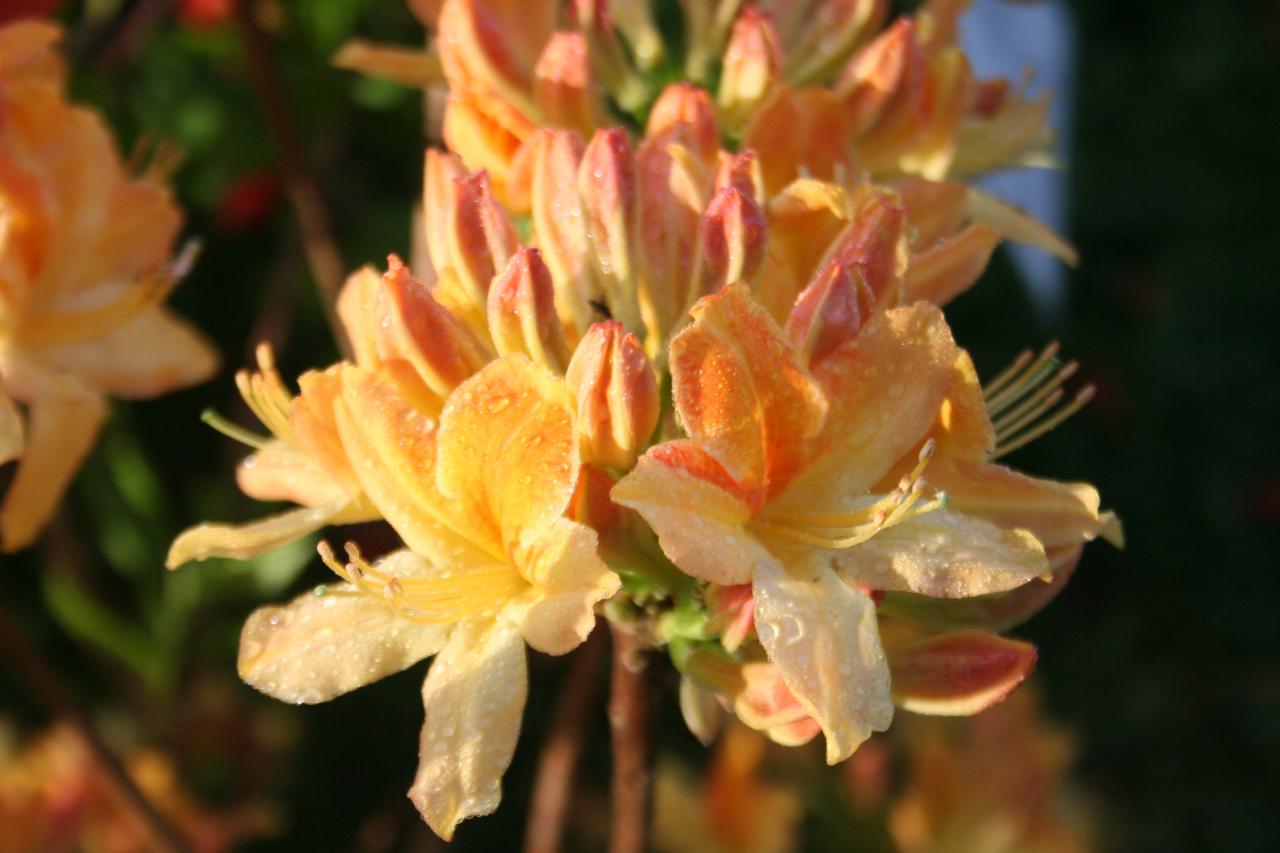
x=741, y=395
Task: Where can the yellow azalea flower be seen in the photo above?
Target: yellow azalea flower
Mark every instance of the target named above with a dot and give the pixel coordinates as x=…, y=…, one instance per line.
x=492, y=564
x=790, y=481
x=396, y=329
x=85, y=266
x=818, y=87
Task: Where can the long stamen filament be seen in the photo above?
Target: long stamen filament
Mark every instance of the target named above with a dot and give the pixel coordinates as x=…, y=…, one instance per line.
x=1025, y=381
x=427, y=600
x=233, y=431
x=1008, y=445
x=845, y=530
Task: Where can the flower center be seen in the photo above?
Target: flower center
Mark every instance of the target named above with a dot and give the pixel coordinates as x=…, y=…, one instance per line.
x=435, y=600
x=845, y=530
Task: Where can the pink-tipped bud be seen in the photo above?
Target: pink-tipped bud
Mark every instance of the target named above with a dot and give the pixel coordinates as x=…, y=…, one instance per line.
x=742, y=172
x=480, y=236
x=439, y=172
x=733, y=240
x=564, y=84
x=875, y=242
x=417, y=329
x=615, y=390
x=752, y=65
x=607, y=186
x=683, y=114
x=522, y=312
x=830, y=311
x=557, y=222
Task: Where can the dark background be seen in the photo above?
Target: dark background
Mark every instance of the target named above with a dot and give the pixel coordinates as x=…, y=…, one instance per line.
x=1162, y=659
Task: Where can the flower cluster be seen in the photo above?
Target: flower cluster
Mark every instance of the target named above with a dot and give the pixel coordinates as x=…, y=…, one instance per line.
x=86, y=261
x=694, y=378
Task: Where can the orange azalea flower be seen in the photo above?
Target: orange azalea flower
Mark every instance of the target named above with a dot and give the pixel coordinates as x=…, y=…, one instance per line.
x=996, y=782
x=804, y=475
x=817, y=88
x=492, y=563
x=84, y=269
x=53, y=797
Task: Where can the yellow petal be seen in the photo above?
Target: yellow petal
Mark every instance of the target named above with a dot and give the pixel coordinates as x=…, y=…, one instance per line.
x=331, y=640
x=242, y=541
x=474, y=697
x=823, y=637
x=393, y=452
x=698, y=511
x=568, y=579
x=415, y=68
x=11, y=431
x=278, y=472
x=62, y=422
x=508, y=453
x=739, y=392
x=357, y=308
x=885, y=388
x=945, y=554
x=1058, y=514
x=153, y=353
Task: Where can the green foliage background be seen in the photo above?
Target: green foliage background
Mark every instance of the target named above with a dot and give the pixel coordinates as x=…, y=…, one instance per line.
x=1163, y=659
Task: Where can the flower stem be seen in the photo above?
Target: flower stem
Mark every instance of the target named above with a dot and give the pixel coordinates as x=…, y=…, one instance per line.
x=631, y=691
x=553, y=786
x=42, y=681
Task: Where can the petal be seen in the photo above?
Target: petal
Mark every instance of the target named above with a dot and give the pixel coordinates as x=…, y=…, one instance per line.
x=331, y=640
x=11, y=432
x=801, y=132
x=568, y=579
x=393, y=452
x=242, y=541
x=474, y=697
x=740, y=394
x=949, y=267
x=766, y=704
x=153, y=353
x=885, y=388
x=823, y=637
x=62, y=423
x=1056, y=513
x=697, y=510
x=999, y=611
x=701, y=710
x=958, y=674
x=278, y=472
x=508, y=451
x=944, y=554
x=416, y=68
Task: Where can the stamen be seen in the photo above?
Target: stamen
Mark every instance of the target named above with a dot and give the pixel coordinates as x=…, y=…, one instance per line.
x=429, y=600
x=1008, y=444
x=1049, y=389
x=233, y=431
x=845, y=530
x=1023, y=382
x=264, y=392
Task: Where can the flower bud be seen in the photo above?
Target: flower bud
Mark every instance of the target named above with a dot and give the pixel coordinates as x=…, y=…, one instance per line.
x=607, y=185
x=440, y=170
x=733, y=240
x=742, y=172
x=564, y=84
x=480, y=236
x=752, y=64
x=557, y=223
x=829, y=31
x=958, y=674
x=683, y=114
x=875, y=242
x=616, y=394
x=420, y=331
x=766, y=704
x=829, y=312
x=522, y=312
